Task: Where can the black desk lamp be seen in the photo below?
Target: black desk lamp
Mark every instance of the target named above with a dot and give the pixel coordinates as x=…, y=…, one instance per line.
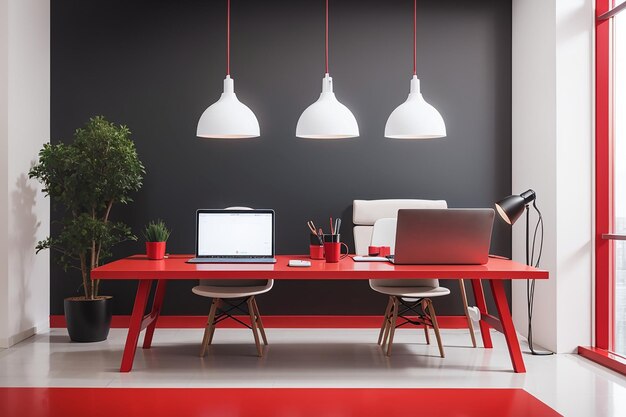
x=510, y=209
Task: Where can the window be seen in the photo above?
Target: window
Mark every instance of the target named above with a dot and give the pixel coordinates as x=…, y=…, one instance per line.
x=610, y=312
x=619, y=183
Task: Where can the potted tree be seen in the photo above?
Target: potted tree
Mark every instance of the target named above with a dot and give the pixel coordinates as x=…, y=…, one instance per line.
x=156, y=235
x=85, y=179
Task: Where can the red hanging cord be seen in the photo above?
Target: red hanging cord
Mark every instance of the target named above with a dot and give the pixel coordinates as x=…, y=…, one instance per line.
x=228, y=38
x=414, y=37
x=326, y=36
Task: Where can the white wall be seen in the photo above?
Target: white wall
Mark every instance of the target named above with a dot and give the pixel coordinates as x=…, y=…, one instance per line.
x=553, y=154
x=26, y=127
x=575, y=147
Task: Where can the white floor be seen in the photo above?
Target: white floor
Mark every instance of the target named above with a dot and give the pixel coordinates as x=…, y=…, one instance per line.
x=313, y=358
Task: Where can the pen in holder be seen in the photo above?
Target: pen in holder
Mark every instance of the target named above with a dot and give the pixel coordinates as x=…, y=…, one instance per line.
x=316, y=247
x=332, y=248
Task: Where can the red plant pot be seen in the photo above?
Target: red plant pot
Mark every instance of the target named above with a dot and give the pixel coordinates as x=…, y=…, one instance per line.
x=155, y=250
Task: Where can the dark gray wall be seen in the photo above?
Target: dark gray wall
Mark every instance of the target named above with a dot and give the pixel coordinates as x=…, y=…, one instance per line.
x=156, y=65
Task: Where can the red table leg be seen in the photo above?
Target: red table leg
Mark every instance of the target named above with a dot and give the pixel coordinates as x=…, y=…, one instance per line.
x=134, y=328
x=159, y=294
x=479, y=296
x=497, y=289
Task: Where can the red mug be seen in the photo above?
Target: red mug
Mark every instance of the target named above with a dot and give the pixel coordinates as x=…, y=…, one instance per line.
x=332, y=251
x=316, y=251
x=384, y=251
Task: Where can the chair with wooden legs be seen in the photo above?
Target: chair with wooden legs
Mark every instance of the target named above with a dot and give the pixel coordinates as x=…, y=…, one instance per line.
x=409, y=299
x=406, y=309
x=367, y=212
x=231, y=296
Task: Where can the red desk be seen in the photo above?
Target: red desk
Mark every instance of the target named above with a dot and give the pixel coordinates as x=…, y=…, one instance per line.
x=147, y=272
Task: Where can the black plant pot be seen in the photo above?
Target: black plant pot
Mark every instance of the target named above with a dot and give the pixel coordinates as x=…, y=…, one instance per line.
x=88, y=320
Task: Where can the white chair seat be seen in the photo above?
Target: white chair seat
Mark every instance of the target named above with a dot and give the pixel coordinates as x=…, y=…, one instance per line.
x=410, y=292
x=231, y=292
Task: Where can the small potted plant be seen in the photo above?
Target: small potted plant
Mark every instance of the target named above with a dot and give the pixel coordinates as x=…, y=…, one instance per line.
x=156, y=234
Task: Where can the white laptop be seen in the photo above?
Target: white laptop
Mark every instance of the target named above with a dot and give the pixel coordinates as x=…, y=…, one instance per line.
x=234, y=236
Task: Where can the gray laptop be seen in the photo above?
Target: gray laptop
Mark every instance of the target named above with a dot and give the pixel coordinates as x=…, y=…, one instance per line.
x=443, y=236
x=234, y=236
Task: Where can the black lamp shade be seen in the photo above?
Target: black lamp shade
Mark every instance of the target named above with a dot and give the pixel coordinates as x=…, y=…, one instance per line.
x=512, y=207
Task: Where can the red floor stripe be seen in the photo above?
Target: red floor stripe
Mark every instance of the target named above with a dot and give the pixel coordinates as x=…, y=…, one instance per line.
x=277, y=322
x=274, y=402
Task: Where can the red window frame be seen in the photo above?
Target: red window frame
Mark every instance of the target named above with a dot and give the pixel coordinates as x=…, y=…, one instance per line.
x=604, y=181
x=604, y=173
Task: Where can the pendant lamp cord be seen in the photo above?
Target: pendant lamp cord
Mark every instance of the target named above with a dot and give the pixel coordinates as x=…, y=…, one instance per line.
x=228, y=38
x=326, y=36
x=414, y=37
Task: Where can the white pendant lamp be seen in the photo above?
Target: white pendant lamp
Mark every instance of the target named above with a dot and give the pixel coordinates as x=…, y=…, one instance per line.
x=327, y=118
x=228, y=118
x=415, y=118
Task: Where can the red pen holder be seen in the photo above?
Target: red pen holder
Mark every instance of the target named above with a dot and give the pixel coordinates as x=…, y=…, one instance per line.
x=316, y=247
x=316, y=251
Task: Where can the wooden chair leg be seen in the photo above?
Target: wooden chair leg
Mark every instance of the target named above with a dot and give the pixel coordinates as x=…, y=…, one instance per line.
x=209, y=327
x=388, y=321
x=218, y=301
x=383, y=326
x=433, y=318
x=255, y=329
x=426, y=333
x=259, y=320
x=392, y=325
x=470, y=324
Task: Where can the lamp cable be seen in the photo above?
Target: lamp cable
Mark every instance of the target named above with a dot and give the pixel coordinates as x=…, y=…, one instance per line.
x=228, y=37
x=530, y=284
x=326, y=39
x=414, y=37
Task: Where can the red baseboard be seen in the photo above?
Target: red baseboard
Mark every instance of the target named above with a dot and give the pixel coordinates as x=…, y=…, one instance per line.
x=277, y=322
x=604, y=358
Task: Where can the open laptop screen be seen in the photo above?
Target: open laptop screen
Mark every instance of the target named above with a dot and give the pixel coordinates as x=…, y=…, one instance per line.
x=235, y=233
